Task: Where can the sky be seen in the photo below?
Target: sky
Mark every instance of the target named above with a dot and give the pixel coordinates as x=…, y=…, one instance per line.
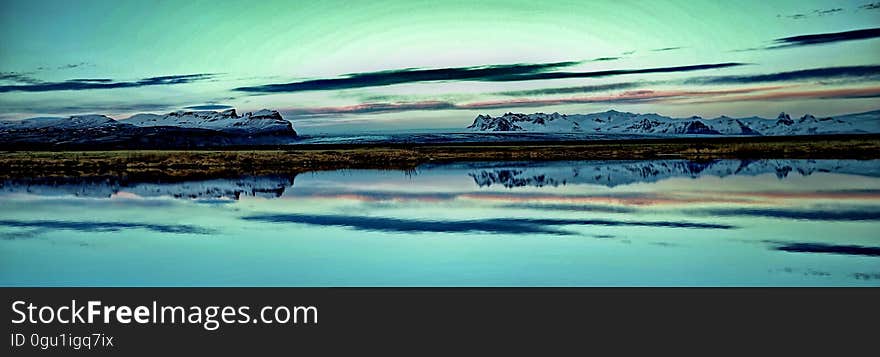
x=367, y=66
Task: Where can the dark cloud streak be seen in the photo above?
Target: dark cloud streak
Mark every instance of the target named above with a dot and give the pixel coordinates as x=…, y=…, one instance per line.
x=209, y=107
x=18, y=77
x=603, y=59
x=813, y=13
x=102, y=83
x=635, y=96
x=569, y=90
x=859, y=72
x=372, y=108
x=497, y=73
x=409, y=75
x=614, y=72
x=97, y=80
x=664, y=49
x=824, y=38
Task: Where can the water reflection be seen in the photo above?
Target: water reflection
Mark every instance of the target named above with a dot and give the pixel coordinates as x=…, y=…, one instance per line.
x=661, y=222
x=95, y=227
x=106, y=187
x=497, y=225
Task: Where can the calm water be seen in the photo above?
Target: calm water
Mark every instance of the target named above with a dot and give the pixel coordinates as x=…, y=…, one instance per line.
x=599, y=223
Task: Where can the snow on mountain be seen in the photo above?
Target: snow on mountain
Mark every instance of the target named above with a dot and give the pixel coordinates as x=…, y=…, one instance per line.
x=259, y=122
x=614, y=122
x=521, y=122
x=180, y=129
x=74, y=122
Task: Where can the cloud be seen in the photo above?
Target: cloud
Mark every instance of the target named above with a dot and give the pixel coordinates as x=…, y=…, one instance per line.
x=845, y=93
x=569, y=90
x=101, y=83
x=827, y=248
x=625, y=97
x=408, y=75
x=812, y=13
x=603, y=59
x=824, y=38
x=27, y=77
x=664, y=49
x=18, y=77
x=614, y=72
x=491, y=225
x=828, y=11
x=866, y=276
x=208, y=107
x=848, y=72
x=74, y=65
x=371, y=108
x=88, y=226
x=871, y=6
x=495, y=73
x=52, y=108
x=96, y=80
x=66, y=66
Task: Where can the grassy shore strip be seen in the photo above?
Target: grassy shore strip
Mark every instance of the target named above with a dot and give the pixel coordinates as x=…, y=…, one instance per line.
x=187, y=164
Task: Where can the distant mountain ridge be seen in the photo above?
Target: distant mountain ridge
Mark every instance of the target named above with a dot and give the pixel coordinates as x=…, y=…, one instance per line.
x=181, y=129
x=614, y=122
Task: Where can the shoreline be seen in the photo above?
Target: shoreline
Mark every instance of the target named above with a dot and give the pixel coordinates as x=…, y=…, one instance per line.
x=294, y=159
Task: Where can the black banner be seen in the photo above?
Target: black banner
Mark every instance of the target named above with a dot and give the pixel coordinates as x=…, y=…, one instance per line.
x=419, y=320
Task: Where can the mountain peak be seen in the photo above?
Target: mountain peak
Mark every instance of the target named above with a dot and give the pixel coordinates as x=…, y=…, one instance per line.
x=265, y=114
x=807, y=117
x=784, y=119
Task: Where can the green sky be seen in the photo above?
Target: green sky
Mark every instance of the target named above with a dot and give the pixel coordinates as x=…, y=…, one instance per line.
x=124, y=57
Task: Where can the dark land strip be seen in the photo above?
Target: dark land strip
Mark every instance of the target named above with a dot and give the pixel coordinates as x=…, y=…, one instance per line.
x=175, y=165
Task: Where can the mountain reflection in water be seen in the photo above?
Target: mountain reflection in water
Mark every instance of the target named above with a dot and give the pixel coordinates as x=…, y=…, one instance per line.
x=582, y=223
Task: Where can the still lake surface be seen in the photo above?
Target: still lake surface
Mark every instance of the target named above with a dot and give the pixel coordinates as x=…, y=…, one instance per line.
x=580, y=223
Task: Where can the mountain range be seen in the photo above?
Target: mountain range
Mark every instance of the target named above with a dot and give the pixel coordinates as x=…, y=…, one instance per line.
x=202, y=129
x=177, y=129
x=615, y=122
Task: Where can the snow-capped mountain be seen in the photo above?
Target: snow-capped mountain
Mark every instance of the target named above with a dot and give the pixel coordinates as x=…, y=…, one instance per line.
x=180, y=129
x=259, y=122
x=74, y=122
x=614, y=122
